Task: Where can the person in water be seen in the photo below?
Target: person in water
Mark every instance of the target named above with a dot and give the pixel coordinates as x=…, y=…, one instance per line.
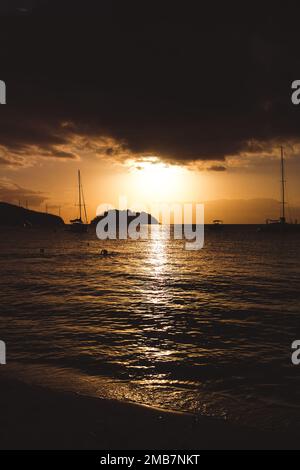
x=104, y=252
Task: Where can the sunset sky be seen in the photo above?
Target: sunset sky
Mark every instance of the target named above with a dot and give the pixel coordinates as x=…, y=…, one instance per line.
x=160, y=103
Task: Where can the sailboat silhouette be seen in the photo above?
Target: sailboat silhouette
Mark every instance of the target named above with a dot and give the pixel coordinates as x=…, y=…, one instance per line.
x=281, y=224
x=77, y=225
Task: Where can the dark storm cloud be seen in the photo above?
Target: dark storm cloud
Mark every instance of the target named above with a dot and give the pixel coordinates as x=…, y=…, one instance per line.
x=183, y=82
x=17, y=132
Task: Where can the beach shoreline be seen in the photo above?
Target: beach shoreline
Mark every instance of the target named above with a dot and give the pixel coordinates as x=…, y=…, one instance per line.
x=33, y=417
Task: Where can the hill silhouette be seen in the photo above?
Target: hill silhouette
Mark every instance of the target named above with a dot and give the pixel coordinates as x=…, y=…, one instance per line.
x=11, y=215
x=145, y=217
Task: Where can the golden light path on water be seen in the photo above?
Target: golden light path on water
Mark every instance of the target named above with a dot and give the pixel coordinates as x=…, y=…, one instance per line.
x=157, y=265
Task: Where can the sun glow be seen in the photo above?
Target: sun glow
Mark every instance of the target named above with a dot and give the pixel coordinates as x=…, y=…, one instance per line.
x=157, y=180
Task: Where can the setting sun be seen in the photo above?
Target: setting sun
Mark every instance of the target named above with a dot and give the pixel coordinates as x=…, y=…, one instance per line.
x=156, y=180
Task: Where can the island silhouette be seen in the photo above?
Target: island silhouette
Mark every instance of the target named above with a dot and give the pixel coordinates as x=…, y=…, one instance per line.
x=127, y=215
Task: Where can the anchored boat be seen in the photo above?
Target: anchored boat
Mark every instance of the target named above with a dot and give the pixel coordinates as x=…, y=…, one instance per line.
x=78, y=225
x=281, y=224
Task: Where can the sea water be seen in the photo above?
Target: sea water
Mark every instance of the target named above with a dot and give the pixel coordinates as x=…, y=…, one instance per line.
x=206, y=331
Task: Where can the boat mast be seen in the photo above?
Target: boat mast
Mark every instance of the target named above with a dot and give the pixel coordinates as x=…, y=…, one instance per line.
x=79, y=194
x=282, y=219
x=84, y=207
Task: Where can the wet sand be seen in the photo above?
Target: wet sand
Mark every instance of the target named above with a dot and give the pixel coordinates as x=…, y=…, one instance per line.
x=36, y=418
